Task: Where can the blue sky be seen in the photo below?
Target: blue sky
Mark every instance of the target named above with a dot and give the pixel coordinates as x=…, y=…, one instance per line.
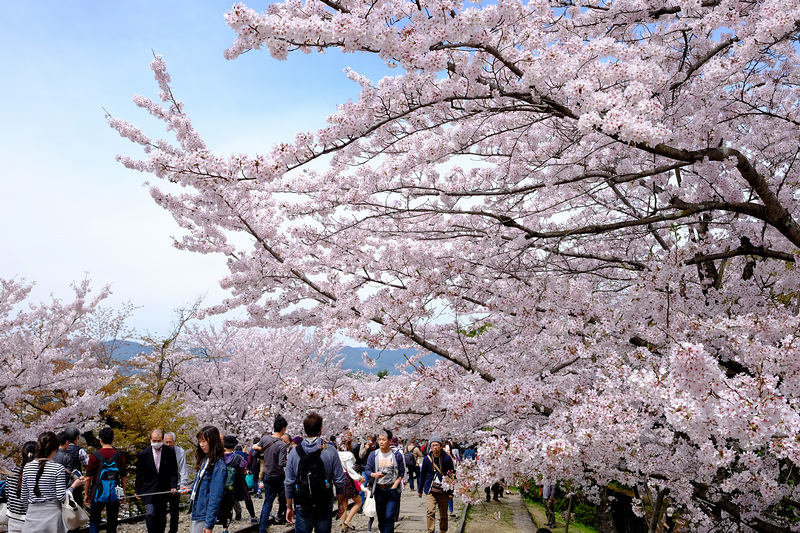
x=66, y=207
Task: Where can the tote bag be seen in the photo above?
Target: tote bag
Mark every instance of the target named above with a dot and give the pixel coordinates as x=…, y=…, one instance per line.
x=370, y=510
x=73, y=514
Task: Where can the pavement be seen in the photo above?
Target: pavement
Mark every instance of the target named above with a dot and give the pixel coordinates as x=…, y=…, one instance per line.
x=412, y=516
x=412, y=519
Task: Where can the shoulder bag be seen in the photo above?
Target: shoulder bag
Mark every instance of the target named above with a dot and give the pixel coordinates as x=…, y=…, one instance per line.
x=73, y=514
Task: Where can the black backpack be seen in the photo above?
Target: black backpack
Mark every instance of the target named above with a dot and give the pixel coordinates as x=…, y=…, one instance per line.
x=410, y=459
x=73, y=461
x=61, y=458
x=312, y=488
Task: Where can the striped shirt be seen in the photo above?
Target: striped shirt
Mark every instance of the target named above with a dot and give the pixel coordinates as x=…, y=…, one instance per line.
x=52, y=485
x=17, y=507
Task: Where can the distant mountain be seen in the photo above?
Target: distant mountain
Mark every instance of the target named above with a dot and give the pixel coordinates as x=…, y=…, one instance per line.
x=353, y=357
x=384, y=359
x=125, y=350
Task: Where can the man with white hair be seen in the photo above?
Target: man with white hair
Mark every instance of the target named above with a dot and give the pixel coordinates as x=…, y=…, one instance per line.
x=183, y=481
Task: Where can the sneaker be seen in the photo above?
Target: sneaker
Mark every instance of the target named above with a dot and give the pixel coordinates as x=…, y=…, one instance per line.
x=253, y=520
x=258, y=496
x=452, y=515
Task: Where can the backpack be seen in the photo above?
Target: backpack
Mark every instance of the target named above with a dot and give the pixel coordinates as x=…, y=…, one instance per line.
x=105, y=487
x=62, y=458
x=73, y=461
x=411, y=461
x=231, y=474
x=312, y=488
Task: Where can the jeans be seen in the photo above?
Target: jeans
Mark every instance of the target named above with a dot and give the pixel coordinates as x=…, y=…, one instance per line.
x=112, y=513
x=413, y=472
x=273, y=488
x=319, y=520
x=386, y=503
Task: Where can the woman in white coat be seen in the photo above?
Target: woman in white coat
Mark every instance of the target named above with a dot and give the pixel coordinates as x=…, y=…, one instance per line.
x=351, y=490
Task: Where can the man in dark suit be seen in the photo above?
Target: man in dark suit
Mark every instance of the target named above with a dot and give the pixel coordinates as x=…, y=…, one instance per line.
x=156, y=471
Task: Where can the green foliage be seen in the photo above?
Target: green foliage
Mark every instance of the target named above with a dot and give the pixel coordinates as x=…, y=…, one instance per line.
x=382, y=374
x=583, y=512
x=475, y=331
x=138, y=412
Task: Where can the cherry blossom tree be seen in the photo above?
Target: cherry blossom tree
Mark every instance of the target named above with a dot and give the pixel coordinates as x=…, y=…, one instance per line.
x=586, y=209
x=240, y=378
x=50, y=377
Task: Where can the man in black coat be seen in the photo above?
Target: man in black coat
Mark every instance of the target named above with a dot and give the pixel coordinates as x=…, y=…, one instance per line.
x=156, y=471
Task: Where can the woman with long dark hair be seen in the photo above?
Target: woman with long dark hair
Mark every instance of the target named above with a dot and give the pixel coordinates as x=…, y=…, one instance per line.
x=44, y=487
x=209, y=483
x=17, y=504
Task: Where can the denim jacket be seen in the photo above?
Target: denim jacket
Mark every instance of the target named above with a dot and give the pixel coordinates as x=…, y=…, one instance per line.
x=209, y=494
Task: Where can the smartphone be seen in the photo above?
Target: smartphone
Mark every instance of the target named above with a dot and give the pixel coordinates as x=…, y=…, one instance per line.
x=76, y=474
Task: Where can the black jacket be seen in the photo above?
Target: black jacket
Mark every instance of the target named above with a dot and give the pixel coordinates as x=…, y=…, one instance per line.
x=149, y=480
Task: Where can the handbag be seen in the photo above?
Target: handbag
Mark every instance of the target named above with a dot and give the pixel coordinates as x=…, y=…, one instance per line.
x=249, y=480
x=73, y=514
x=369, y=509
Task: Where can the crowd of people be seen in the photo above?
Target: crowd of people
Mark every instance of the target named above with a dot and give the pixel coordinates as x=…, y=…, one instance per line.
x=314, y=480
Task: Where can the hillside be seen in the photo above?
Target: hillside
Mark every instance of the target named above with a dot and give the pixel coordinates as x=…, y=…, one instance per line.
x=353, y=360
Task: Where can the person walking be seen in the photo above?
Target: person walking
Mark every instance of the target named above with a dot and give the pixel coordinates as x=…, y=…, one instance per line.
x=209, y=483
x=273, y=451
x=77, y=458
x=549, y=500
x=387, y=467
x=411, y=456
x=183, y=481
x=448, y=448
x=352, y=484
x=156, y=471
x=107, y=452
x=313, y=471
x=435, y=468
x=236, y=488
x=17, y=503
x=362, y=450
x=44, y=488
x=63, y=458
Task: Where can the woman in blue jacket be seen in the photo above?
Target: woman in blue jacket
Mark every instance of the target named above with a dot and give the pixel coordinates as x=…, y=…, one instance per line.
x=210, y=481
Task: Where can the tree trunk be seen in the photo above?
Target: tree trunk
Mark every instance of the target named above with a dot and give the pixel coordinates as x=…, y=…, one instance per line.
x=605, y=522
x=569, y=513
x=657, y=510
